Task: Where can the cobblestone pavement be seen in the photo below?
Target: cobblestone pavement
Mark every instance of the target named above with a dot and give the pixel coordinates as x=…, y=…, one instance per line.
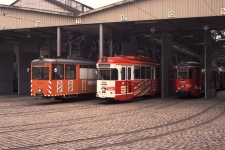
x=153, y=123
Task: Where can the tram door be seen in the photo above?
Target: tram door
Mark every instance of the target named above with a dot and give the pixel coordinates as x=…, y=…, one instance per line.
x=126, y=76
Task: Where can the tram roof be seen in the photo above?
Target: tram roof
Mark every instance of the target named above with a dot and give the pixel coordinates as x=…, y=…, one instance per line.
x=63, y=60
x=128, y=60
x=190, y=63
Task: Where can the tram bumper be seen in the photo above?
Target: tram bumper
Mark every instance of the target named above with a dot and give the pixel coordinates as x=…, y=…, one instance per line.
x=183, y=92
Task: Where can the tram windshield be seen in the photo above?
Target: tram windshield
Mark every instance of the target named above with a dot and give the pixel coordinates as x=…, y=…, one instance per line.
x=40, y=73
x=108, y=74
x=184, y=74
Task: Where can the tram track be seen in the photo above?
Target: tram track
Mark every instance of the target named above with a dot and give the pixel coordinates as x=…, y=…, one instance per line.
x=67, y=122
x=201, y=118
x=84, y=105
x=145, y=133
x=46, y=109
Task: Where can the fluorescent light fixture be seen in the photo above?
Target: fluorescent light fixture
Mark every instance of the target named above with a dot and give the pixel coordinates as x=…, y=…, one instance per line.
x=22, y=30
x=198, y=43
x=187, y=36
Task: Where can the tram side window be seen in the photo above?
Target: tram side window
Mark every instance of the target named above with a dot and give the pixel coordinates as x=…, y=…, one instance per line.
x=70, y=72
x=148, y=72
x=136, y=72
x=198, y=74
x=57, y=72
x=190, y=74
x=153, y=73
x=142, y=72
x=123, y=74
x=129, y=74
x=157, y=73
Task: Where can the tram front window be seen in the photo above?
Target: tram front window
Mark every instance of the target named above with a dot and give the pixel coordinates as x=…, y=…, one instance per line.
x=182, y=74
x=40, y=73
x=108, y=74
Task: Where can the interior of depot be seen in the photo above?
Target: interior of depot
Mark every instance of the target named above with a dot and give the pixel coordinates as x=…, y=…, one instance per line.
x=176, y=39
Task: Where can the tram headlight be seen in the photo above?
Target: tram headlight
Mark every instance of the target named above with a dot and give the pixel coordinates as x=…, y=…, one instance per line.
x=39, y=89
x=182, y=86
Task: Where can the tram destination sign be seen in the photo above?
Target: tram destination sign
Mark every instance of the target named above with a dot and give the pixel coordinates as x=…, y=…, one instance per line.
x=182, y=67
x=103, y=65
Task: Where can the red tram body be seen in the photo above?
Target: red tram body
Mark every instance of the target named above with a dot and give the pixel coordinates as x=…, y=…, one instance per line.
x=221, y=78
x=126, y=77
x=62, y=78
x=189, y=79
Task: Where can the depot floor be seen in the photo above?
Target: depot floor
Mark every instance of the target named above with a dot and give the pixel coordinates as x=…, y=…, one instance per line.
x=154, y=123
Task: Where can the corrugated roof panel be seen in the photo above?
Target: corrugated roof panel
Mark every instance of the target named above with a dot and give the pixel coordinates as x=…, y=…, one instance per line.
x=156, y=9
x=16, y=18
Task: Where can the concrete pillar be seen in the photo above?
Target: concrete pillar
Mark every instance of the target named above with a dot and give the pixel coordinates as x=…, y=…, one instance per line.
x=58, y=41
x=208, y=69
x=101, y=40
x=167, y=85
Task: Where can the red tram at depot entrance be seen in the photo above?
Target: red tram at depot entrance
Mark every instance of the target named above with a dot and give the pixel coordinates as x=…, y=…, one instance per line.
x=62, y=78
x=190, y=79
x=126, y=77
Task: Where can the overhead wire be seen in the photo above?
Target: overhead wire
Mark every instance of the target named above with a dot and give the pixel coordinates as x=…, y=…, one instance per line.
x=144, y=11
x=210, y=7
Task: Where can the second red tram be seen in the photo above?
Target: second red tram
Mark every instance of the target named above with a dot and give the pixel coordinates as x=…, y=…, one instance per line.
x=126, y=77
x=189, y=79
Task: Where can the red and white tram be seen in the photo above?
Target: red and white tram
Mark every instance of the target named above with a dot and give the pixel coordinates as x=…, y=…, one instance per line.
x=126, y=77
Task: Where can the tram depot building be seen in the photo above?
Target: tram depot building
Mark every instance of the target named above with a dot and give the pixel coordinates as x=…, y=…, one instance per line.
x=168, y=31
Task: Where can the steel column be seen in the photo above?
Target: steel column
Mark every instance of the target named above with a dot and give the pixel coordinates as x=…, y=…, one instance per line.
x=101, y=41
x=58, y=41
x=110, y=44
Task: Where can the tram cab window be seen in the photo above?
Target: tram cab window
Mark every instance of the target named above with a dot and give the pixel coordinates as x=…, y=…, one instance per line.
x=70, y=72
x=108, y=74
x=104, y=74
x=57, y=72
x=182, y=74
x=114, y=74
x=40, y=73
x=136, y=72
